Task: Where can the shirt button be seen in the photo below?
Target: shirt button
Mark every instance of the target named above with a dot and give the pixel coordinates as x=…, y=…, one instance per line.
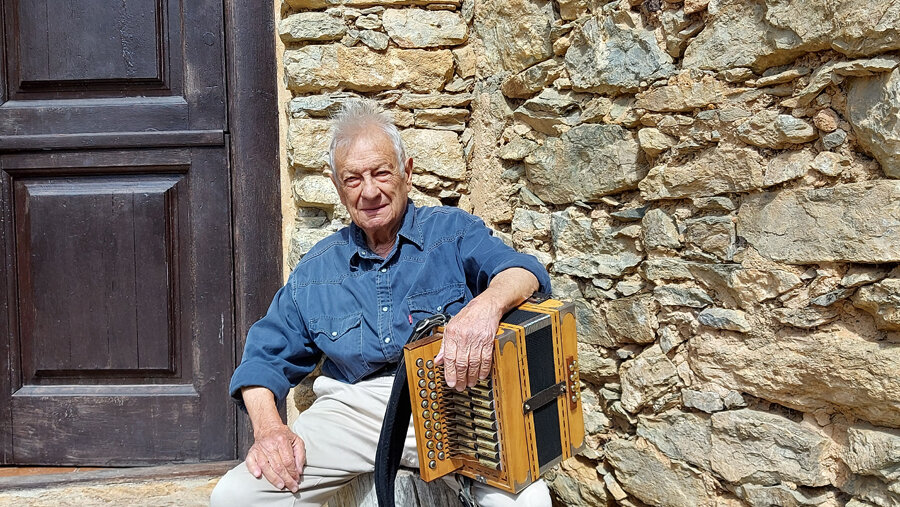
x=387, y=340
x=384, y=308
x=384, y=270
x=439, y=308
x=334, y=333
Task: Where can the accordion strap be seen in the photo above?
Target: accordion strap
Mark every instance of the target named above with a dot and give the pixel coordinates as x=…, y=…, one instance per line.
x=396, y=421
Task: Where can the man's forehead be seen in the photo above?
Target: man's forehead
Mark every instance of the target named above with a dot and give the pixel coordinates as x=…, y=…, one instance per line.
x=365, y=142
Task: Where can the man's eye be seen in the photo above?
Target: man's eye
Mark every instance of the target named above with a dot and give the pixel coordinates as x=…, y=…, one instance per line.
x=351, y=182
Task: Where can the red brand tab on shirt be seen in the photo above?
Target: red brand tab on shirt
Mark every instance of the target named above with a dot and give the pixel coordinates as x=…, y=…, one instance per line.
x=410, y=318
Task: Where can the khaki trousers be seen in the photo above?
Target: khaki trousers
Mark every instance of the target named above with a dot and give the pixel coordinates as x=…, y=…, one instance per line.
x=341, y=431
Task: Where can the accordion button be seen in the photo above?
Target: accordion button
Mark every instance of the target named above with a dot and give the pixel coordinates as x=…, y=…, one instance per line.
x=431, y=385
x=441, y=455
x=440, y=445
x=424, y=403
x=421, y=373
x=430, y=444
x=426, y=414
x=428, y=434
x=434, y=405
x=429, y=364
x=422, y=383
x=437, y=426
x=423, y=393
x=432, y=464
x=428, y=424
x=419, y=362
x=433, y=395
x=430, y=374
x=430, y=454
x=438, y=435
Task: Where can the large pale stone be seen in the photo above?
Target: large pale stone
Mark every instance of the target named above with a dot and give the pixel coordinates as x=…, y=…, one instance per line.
x=723, y=318
x=682, y=94
x=682, y=436
x=632, y=319
x=720, y=170
x=856, y=222
x=769, y=129
x=785, y=496
x=806, y=370
x=761, y=447
x=317, y=67
x=874, y=451
x=714, y=235
x=647, y=474
x=311, y=26
x=873, y=106
x=531, y=80
x=659, y=230
x=418, y=28
x=585, y=251
x=586, y=163
x=646, y=379
x=318, y=105
x=654, y=142
x=435, y=151
x=308, y=142
x=607, y=57
x=882, y=300
x=515, y=34
x=315, y=190
x=774, y=32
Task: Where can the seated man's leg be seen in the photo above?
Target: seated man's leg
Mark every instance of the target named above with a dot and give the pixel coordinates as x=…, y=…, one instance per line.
x=340, y=431
x=537, y=494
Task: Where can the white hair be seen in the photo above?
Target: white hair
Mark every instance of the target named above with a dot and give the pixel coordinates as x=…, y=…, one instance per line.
x=357, y=116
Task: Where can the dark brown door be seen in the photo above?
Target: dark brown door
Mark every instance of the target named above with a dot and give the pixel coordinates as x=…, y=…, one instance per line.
x=116, y=321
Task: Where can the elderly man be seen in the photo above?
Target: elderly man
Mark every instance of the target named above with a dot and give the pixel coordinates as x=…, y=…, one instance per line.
x=354, y=298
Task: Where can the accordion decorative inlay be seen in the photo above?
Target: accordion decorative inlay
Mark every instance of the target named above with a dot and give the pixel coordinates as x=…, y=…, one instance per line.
x=511, y=427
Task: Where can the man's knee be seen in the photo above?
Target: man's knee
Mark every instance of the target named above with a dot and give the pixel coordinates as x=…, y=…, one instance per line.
x=237, y=487
x=535, y=495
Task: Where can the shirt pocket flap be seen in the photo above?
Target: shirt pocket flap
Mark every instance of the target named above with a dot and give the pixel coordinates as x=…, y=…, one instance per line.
x=436, y=300
x=335, y=327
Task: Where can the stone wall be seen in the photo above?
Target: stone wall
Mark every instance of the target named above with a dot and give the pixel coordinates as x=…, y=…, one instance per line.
x=715, y=183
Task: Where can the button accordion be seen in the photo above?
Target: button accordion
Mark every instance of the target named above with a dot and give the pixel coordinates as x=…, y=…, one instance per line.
x=524, y=418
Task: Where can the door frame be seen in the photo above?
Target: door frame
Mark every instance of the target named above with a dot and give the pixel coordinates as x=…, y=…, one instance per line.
x=253, y=140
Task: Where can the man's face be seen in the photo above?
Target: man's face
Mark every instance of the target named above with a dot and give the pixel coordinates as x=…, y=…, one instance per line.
x=371, y=186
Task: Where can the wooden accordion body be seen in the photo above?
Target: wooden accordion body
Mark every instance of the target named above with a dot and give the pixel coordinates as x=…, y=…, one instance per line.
x=523, y=419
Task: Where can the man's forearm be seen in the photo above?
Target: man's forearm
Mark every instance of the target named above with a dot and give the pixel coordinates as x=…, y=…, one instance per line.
x=261, y=407
x=509, y=288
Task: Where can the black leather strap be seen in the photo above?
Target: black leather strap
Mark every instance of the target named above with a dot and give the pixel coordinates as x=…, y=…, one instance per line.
x=396, y=421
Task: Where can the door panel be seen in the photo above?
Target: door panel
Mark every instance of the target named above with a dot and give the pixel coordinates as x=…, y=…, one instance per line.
x=115, y=233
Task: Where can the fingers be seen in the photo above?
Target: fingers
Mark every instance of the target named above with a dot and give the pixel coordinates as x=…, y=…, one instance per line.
x=487, y=356
x=279, y=456
x=450, y=351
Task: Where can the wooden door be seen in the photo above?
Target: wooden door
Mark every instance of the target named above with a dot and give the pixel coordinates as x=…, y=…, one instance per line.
x=116, y=321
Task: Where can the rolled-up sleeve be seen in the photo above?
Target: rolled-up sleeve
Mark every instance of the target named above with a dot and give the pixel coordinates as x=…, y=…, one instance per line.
x=484, y=256
x=278, y=352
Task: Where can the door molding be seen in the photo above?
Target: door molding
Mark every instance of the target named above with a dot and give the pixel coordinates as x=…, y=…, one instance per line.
x=255, y=170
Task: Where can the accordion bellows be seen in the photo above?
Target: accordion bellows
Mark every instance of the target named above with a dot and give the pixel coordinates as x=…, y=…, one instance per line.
x=523, y=419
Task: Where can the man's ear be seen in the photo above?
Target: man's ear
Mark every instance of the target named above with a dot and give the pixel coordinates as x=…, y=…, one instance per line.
x=408, y=168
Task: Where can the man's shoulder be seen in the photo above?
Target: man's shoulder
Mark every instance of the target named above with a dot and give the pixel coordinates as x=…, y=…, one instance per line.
x=444, y=215
x=333, y=247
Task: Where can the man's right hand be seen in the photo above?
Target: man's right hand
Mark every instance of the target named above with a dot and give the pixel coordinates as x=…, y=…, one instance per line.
x=279, y=454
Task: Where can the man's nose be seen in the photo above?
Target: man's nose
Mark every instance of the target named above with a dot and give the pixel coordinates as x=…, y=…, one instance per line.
x=369, y=188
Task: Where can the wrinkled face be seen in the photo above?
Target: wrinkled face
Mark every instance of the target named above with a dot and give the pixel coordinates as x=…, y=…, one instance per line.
x=371, y=185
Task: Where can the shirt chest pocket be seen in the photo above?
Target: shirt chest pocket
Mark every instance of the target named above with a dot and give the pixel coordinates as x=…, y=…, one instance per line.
x=342, y=329
x=449, y=299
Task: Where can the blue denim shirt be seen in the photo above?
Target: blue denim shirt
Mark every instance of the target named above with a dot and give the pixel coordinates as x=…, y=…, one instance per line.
x=344, y=301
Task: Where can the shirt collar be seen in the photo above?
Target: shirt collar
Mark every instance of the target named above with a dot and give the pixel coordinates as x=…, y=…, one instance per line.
x=409, y=230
